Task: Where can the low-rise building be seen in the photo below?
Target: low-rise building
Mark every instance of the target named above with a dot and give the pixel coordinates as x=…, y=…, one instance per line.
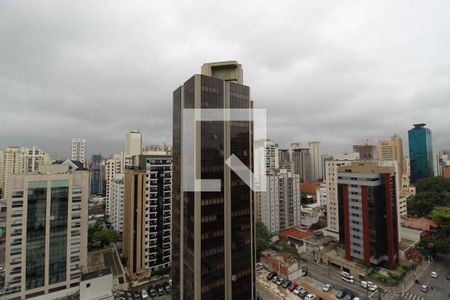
x=282, y=263
x=97, y=285
x=316, y=243
x=295, y=237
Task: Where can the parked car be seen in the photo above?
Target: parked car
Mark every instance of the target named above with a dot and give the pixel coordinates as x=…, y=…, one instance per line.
x=310, y=297
x=153, y=292
x=285, y=283
x=160, y=291
x=297, y=290
x=271, y=275
x=259, y=266
x=424, y=288
x=302, y=293
x=274, y=279
x=317, y=298
x=348, y=297
x=434, y=275
x=292, y=287
x=369, y=285
x=144, y=294
x=136, y=295
x=340, y=294
x=279, y=280
x=167, y=287
x=327, y=287
x=448, y=276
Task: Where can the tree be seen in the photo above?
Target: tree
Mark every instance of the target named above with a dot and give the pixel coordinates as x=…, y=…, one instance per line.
x=106, y=236
x=430, y=192
x=441, y=216
x=321, y=223
x=263, y=238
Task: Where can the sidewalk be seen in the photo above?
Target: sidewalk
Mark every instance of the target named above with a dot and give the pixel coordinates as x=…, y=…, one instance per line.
x=409, y=280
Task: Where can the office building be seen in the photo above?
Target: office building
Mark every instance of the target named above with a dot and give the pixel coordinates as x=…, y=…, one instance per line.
x=420, y=152
x=368, y=212
x=301, y=162
x=316, y=162
x=392, y=149
x=366, y=151
x=116, y=200
x=281, y=202
x=96, y=176
x=147, y=213
x=79, y=150
x=46, y=233
x=213, y=232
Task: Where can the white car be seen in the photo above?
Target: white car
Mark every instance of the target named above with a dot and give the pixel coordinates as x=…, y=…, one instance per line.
x=434, y=275
x=327, y=287
x=297, y=290
x=144, y=294
x=310, y=297
x=369, y=285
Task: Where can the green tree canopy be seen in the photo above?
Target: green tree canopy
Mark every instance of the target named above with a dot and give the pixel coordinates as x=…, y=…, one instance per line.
x=106, y=236
x=441, y=216
x=263, y=238
x=430, y=192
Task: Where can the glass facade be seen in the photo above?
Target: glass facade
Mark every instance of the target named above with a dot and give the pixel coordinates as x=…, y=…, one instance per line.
x=420, y=152
x=35, y=255
x=58, y=231
x=214, y=216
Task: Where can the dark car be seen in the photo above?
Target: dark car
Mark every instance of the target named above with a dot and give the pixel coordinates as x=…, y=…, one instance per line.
x=271, y=275
x=448, y=276
x=137, y=295
x=348, y=297
x=302, y=293
x=317, y=298
x=285, y=283
x=167, y=287
x=152, y=291
x=340, y=294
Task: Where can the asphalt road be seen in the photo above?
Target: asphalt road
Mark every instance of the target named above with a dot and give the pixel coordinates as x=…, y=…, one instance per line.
x=332, y=275
x=441, y=286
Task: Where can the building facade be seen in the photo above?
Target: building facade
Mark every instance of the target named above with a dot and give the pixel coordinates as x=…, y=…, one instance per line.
x=96, y=175
x=301, y=163
x=12, y=164
x=79, y=150
x=420, y=152
x=392, y=149
x=284, y=159
x=46, y=239
x=316, y=161
x=265, y=159
x=116, y=200
x=113, y=166
x=366, y=151
x=281, y=202
x=147, y=212
x=368, y=212
x=213, y=232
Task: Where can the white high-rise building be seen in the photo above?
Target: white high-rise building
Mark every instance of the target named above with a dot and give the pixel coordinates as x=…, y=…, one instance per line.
x=266, y=159
x=332, y=192
x=79, y=150
x=1, y=172
x=133, y=145
x=316, y=162
x=12, y=164
x=32, y=158
x=281, y=202
x=115, y=204
x=46, y=232
x=113, y=166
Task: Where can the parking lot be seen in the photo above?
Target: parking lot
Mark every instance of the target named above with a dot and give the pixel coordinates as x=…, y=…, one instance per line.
x=151, y=289
x=270, y=290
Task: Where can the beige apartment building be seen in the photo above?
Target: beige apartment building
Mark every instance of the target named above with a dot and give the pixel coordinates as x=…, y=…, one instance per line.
x=46, y=232
x=392, y=149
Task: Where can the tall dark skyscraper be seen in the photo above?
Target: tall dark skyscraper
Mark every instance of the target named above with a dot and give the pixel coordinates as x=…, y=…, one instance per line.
x=420, y=152
x=213, y=232
x=96, y=176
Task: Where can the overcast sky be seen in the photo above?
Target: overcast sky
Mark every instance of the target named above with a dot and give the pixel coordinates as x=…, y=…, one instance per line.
x=334, y=71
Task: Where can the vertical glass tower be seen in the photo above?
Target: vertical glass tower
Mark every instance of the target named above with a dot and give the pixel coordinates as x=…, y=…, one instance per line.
x=420, y=152
x=213, y=232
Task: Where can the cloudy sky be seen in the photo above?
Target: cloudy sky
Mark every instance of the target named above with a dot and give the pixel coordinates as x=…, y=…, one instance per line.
x=334, y=71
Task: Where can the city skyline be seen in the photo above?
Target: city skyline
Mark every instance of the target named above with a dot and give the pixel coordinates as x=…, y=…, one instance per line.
x=84, y=74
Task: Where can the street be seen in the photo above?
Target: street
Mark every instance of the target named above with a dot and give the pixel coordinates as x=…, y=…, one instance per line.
x=441, y=286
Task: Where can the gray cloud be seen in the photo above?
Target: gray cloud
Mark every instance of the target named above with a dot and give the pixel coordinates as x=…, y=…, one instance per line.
x=337, y=72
